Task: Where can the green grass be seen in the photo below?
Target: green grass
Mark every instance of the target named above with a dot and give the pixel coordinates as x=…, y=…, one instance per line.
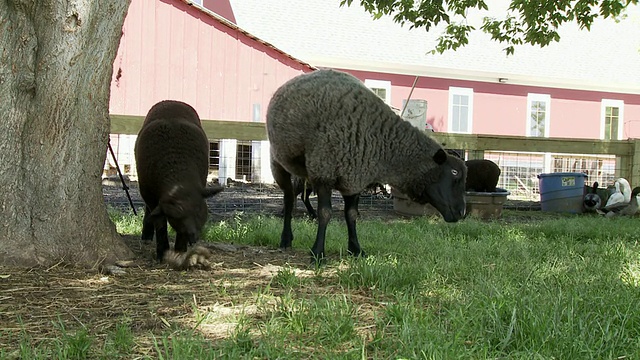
x=532, y=286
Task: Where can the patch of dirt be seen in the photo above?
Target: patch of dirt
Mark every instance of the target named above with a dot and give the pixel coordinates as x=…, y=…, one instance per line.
x=148, y=296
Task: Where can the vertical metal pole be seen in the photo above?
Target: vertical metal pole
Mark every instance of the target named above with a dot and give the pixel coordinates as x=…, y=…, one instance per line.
x=124, y=185
x=409, y=98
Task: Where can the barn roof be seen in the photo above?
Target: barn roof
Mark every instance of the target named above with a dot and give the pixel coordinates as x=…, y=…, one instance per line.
x=326, y=35
x=246, y=33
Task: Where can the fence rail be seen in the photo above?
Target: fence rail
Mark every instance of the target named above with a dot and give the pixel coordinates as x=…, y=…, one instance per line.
x=627, y=152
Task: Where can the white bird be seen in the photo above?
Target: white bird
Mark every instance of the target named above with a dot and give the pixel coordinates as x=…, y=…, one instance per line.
x=629, y=209
x=622, y=194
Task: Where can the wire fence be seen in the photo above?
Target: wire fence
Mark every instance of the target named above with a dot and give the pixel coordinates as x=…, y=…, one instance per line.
x=243, y=168
x=248, y=198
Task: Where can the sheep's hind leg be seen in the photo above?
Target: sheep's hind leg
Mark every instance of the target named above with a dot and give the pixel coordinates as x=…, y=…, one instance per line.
x=350, y=216
x=283, y=179
x=307, y=203
x=324, y=215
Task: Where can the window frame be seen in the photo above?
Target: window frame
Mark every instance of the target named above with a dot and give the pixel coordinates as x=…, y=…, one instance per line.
x=604, y=104
x=546, y=98
x=380, y=84
x=463, y=92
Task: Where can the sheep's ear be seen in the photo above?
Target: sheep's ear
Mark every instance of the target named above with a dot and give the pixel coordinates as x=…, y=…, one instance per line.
x=440, y=157
x=211, y=190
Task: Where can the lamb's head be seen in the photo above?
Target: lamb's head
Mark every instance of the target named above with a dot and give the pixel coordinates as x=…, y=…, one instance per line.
x=186, y=209
x=442, y=186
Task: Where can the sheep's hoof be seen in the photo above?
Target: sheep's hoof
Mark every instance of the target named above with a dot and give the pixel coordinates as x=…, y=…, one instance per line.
x=358, y=254
x=286, y=241
x=318, y=259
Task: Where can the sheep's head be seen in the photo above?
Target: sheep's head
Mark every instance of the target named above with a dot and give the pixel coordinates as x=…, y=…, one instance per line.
x=442, y=186
x=186, y=209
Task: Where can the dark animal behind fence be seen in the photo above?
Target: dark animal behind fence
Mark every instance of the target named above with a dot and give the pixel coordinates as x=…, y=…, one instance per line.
x=172, y=160
x=327, y=127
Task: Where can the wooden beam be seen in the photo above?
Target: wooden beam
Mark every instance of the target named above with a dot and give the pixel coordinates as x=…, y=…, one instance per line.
x=634, y=172
x=215, y=129
x=126, y=124
x=530, y=144
x=248, y=131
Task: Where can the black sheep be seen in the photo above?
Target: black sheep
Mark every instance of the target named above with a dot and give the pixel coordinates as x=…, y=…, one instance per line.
x=172, y=160
x=482, y=175
x=329, y=128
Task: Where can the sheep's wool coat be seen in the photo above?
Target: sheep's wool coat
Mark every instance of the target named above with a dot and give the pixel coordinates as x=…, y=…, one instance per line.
x=329, y=127
x=171, y=149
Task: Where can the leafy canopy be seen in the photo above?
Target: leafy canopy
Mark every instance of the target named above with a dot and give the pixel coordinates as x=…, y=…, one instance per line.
x=526, y=21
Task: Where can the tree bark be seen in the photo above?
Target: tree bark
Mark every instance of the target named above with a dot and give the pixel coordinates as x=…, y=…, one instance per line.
x=56, y=63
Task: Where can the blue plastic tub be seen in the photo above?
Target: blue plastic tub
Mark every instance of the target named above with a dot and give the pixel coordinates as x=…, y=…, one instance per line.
x=562, y=192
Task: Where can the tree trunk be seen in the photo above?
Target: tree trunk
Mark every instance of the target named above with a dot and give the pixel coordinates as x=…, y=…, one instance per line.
x=56, y=63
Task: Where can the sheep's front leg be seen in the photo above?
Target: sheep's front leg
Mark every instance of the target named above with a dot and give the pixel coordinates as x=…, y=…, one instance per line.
x=148, y=228
x=183, y=240
x=324, y=215
x=350, y=216
x=162, y=236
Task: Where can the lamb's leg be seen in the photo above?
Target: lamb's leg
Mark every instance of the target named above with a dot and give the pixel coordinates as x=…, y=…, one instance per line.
x=147, y=225
x=283, y=179
x=324, y=215
x=307, y=203
x=162, y=236
x=350, y=216
x=183, y=240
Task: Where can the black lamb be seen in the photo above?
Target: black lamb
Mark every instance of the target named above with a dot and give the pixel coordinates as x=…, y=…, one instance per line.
x=327, y=127
x=482, y=175
x=172, y=161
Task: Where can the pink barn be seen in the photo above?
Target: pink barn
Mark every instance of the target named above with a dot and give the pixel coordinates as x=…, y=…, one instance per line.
x=226, y=57
x=584, y=87
x=171, y=49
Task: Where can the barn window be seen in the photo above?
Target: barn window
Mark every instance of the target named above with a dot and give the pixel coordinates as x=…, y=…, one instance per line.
x=539, y=106
x=214, y=158
x=612, y=112
x=381, y=88
x=460, y=110
x=243, y=160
